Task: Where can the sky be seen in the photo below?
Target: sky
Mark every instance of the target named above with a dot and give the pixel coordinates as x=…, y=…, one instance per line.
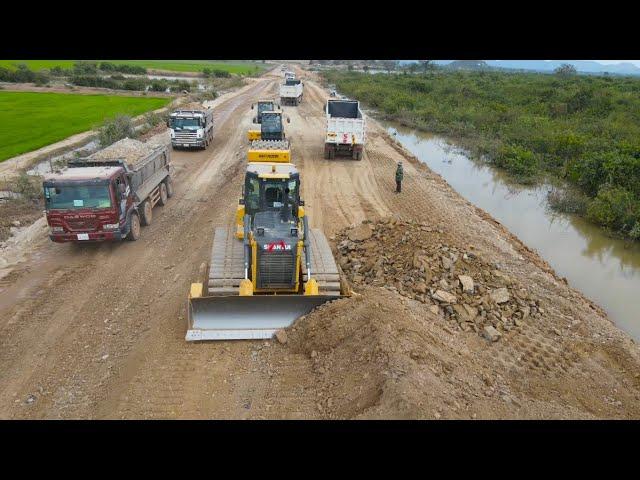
x=608, y=62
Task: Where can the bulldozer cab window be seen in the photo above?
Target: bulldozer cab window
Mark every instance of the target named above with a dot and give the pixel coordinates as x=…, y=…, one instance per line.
x=263, y=107
x=252, y=197
x=274, y=195
x=271, y=123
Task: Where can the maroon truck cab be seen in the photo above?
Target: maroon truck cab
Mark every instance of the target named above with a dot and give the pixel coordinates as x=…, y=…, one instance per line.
x=88, y=204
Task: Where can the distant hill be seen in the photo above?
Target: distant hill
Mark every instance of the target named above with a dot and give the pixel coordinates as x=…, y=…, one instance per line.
x=585, y=66
x=467, y=65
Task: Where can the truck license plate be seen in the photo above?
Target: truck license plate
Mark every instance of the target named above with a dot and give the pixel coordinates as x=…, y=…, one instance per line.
x=185, y=144
x=83, y=236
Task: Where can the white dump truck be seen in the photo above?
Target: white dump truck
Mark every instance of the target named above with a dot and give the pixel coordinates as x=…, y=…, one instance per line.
x=291, y=92
x=345, y=132
x=191, y=127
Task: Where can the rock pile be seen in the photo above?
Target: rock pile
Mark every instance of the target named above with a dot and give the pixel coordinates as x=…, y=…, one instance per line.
x=408, y=258
x=129, y=149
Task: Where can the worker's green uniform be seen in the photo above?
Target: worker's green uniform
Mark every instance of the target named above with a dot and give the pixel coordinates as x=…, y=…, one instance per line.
x=399, y=175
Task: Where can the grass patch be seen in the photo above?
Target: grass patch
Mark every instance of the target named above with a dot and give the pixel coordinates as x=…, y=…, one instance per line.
x=237, y=67
x=29, y=121
x=240, y=68
x=36, y=65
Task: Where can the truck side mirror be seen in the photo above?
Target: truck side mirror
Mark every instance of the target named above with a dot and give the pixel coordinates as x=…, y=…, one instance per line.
x=122, y=188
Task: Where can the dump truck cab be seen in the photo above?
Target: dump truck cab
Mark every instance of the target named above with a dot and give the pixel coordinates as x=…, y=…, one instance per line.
x=88, y=204
x=191, y=128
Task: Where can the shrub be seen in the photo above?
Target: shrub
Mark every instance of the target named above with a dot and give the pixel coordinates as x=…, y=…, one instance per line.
x=220, y=73
x=614, y=208
x=27, y=187
x=151, y=119
x=23, y=74
x=136, y=84
x=517, y=160
x=116, y=129
x=567, y=200
x=85, y=68
x=58, y=72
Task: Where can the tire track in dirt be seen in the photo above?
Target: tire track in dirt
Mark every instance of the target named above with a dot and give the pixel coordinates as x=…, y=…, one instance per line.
x=119, y=299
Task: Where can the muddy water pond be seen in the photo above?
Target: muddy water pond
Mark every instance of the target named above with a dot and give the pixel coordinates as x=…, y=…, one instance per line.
x=605, y=269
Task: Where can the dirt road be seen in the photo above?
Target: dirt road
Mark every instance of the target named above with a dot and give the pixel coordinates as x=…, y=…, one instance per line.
x=97, y=331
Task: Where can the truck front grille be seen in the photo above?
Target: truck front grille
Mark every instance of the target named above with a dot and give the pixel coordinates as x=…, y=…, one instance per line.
x=185, y=137
x=276, y=269
x=88, y=225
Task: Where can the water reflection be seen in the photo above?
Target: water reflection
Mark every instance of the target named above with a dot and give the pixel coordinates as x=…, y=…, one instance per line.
x=605, y=269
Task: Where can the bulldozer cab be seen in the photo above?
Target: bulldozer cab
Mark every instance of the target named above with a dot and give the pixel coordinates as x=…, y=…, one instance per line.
x=264, y=106
x=271, y=187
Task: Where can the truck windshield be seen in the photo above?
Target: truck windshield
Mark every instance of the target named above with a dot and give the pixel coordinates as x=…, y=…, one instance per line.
x=271, y=123
x=77, y=196
x=182, y=123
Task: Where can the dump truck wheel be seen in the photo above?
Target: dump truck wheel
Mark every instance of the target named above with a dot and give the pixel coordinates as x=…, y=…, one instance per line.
x=169, y=183
x=147, y=213
x=134, y=231
x=163, y=195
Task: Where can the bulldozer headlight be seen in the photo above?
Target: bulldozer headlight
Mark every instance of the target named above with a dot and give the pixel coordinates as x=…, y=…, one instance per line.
x=294, y=232
x=260, y=231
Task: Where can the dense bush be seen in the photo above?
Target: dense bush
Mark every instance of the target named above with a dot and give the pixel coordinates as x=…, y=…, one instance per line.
x=122, y=68
x=120, y=82
x=22, y=74
x=584, y=129
x=85, y=68
x=95, y=81
x=116, y=129
x=208, y=72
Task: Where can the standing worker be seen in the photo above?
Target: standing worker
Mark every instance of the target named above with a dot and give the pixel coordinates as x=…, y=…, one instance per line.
x=399, y=175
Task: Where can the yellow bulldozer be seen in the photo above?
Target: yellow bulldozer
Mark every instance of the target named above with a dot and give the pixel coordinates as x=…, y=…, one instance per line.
x=268, y=270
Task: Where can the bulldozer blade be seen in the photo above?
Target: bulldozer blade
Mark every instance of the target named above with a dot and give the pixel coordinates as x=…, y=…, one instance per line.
x=237, y=317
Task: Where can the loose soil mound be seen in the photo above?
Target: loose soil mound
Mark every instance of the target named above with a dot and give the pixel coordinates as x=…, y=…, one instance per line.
x=401, y=351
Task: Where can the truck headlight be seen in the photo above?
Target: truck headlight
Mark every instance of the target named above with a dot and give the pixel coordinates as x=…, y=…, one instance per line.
x=57, y=230
x=111, y=226
x=199, y=133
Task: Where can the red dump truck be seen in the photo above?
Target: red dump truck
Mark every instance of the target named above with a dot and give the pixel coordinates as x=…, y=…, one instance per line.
x=100, y=198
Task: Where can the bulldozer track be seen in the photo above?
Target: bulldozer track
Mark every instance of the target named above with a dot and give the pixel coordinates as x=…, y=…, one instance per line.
x=226, y=269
